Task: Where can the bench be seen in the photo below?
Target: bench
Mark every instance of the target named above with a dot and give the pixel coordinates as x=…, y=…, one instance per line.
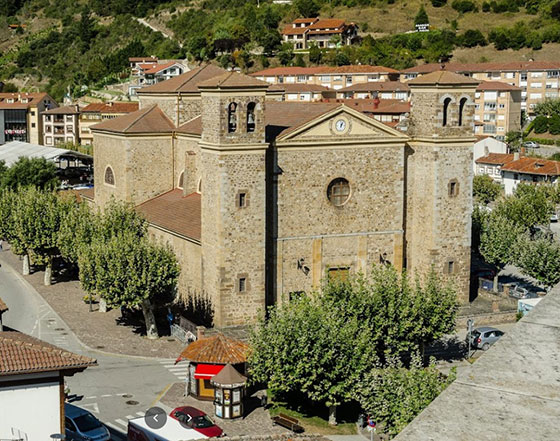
x=288, y=422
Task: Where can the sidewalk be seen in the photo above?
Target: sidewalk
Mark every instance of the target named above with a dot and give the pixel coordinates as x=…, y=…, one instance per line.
x=99, y=331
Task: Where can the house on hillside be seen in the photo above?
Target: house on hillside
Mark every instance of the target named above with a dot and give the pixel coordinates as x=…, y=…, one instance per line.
x=324, y=33
x=32, y=386
x=147, y=74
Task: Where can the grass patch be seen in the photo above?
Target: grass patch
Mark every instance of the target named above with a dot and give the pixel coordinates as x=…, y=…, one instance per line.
x=313, y=423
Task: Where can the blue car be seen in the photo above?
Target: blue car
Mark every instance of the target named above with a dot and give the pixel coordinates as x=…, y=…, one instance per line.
x=81, y=425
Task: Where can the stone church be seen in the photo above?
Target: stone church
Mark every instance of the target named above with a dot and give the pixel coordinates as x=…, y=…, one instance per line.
x=260, y=198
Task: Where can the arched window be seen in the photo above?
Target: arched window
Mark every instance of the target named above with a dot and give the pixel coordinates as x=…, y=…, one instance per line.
x=445, y=110
x=181, y=180
x=338, y=191
x=461, y=107
x=109, y=176
x=251, y=117
x=232, y=117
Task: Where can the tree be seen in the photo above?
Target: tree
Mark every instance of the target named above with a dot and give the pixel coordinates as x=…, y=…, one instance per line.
x=472, y=38
x=307, y=8
x=497, y=239
x=306, y=346
x=286, y=54
x=36, y=172
x=540, y=124
x=539, y=258
x=438, y=3
x=485, y=189
x=315, y=54
x=554, y=125
x=77, y=230
x=396, y=394
x=555, y=10
x=548, y=107
x=86, y=29
x=421, y=16
x=299, y=61
x=530, y=205
x=132, y=272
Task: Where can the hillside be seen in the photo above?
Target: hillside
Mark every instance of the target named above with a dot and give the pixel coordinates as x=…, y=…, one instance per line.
x=77, y=45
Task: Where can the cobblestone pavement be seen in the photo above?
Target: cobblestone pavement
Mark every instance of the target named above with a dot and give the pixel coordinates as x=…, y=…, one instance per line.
x=256, y=422
x=99, y=331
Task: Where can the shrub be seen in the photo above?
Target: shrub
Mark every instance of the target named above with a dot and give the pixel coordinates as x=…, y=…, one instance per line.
x=554, y=125
x=472, y=38
x=438, y=3
x=540, y=124
x=464, y=6
x=421, y=17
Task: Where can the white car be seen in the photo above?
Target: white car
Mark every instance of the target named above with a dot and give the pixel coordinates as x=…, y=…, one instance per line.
x=531, y=145
x=554, y=217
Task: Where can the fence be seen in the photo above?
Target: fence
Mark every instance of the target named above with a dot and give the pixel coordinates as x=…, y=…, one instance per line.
x=185, y=331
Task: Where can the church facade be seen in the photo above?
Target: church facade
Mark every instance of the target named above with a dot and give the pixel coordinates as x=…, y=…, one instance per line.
x=260, y=198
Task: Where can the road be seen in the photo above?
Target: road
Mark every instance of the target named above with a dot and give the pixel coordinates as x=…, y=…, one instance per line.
x=153, y=28
x=119, y=388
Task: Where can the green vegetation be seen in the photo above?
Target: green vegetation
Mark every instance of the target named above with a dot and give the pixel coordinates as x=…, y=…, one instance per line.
x=35, y=172
x=322, y=347
x=485, y=189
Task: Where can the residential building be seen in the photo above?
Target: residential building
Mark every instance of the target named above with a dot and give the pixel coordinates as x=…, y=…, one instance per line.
x=301, y=92
x=388, y=111
x=96, y=112
x=385, y=90
x=332, y=77
x=324, y=33
x=147, y=74
x=20, y=118
x=32, y=386
x=260, y=198
x=135, y=63
x=529, y=170
x=60, y=125
x=537, y=79
x=491, y=165
x=486, y=145
x=497, y=109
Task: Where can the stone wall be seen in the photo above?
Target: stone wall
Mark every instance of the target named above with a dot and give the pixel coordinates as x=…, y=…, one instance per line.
x=178, y=108
x=188, y=151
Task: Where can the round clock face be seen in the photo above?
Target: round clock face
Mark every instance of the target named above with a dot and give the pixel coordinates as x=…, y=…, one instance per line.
x=340, y=125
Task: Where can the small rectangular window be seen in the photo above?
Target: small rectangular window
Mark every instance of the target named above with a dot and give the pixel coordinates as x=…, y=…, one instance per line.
x=450, y=267
x=453, y=188
x=242, y=284
x=242, y=199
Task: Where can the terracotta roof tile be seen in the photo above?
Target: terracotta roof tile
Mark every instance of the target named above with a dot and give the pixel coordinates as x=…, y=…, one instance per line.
x=32, y=99
x=486, y=67
x=299, y=87
x=305, y=20
x=3, y=307
x=192, y=127
x=231, y=80
x=533, y=166
x=496, y=85
x=187, y=82
x=495, y=159
x=443, y=77
x=159, y=67
x=65, y=110
x=217, y=349
x=113, y=107
x=282, y=117
x=174, y=212
x=21, y=354
x=148, y=120
x=327, y=23
x=141, y=59
x=385, y=106
x=377, y=86
x=290, y=30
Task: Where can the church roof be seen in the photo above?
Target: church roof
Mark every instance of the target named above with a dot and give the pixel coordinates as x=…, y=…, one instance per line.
x=217, y=349
x=174, y=212
x=148, y=120
x=192, y=127
x=443, y=77
x=232, y=80
x=187, y=82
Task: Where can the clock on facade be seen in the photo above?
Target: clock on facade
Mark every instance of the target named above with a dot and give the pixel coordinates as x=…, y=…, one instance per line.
x=340, y=125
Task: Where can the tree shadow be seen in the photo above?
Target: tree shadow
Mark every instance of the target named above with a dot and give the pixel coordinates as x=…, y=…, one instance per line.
x=133, y=318
x=198, y=309
x=451, y=349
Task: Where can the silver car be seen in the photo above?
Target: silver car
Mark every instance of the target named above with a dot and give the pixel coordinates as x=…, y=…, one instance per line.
x=483, y=338
x=531, y=145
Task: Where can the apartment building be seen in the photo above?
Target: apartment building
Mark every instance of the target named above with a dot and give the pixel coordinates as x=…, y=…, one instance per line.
x=95, y=113
x=385, y=90
x=497, y=109
x=536, y=79
x=61, y=125
x=299, y=92
x=326, y=33
x=20, y=116
x=331, y=77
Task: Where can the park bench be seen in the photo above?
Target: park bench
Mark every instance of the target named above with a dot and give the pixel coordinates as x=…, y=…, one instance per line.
x=288, y=422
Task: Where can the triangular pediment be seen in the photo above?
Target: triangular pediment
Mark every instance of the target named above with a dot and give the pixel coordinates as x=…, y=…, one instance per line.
x=342, y=123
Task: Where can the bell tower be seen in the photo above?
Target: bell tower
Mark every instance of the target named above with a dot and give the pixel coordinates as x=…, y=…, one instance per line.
x=439, y=177
x=233, y=188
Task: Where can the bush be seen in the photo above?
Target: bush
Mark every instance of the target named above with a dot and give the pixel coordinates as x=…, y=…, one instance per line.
x=464, y=6
x=421, y=17
x=472, y=38
x=438, y=3
x=540, y=124
x=554, y=125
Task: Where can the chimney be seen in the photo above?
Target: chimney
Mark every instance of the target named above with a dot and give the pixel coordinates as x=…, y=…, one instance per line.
x=77, y=108
x=522, y=153
x=110, y=103
x=200, y=332
x=516, y=156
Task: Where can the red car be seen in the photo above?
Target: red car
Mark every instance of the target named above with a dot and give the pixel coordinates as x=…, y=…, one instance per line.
x=197, y=420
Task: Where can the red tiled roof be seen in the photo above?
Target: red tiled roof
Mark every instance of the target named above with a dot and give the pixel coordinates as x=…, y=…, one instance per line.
x=385, y=106
x=159, y=67
x=32, y=99
x=23, y=354
x=174, y=212
x=232, y=80
x=143, y=59
x=299, y=87
x=443, y=77
x=305, y=20
x=187, y=82
x=111, y=107
x=294, y=70
x=495, y=159
x=217, y=349
x=533, y=166
x=192, y=127
x=65, y=110
x=327, y=23
x=289, y=30
x=148, y=120
x=377, y=86
x=3, y=307
x=496, y=85
x=486, y=67
x=282, y=117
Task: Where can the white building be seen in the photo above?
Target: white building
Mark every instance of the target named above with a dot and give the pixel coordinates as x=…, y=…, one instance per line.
x=485, y=146
x=32, y=386
x=529, y=170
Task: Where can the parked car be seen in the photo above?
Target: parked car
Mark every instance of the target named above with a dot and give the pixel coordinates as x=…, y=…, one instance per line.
x=197, y=420
x=531, y=145
x=554, y=217
x=483, y=338
x=81, y=425
x=519, y=292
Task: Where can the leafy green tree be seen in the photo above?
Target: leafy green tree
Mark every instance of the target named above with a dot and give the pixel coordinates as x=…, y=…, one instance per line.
x=438, y=3
x=36, y=172
x=548, y=107
x=286, y=55
x=395, y=394
x=539, y=258
x=497, y=241
x=7, y=209
x=299, y=61
x=530, y=205
x=86, y=29
x=306, y=346
x=131, y=272
x=77, y=230
x=464, y=6
x=270, y=40
x=421, y=16
x=554, y=125
x=472, y=38
x=315, y=54
x=485, y=189
x=307, y=8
